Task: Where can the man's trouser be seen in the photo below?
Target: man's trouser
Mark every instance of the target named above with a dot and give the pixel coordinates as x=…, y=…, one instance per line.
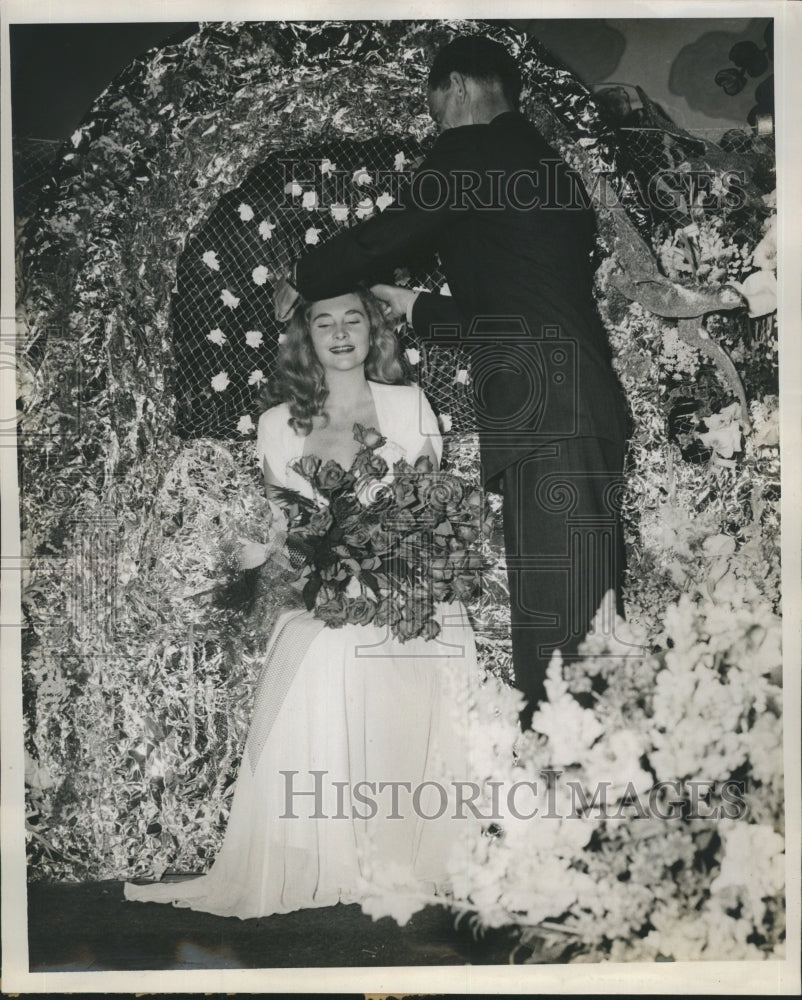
x=565, y=549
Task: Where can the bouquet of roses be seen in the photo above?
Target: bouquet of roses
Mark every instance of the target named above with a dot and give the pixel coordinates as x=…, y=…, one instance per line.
x=385, y=545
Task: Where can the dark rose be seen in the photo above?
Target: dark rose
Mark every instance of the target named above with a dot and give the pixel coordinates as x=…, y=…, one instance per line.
x=440, y=491
x=307, y=466
x=462, y=587
x=343, y=507
x=431, y=629
x=332, y=612
x=368, y=465
x=368, y=436
x=358, y=536
x=388, y=612
x=330, y=476
x=360, y=610
x=404, y=490
x=381, y=540
x=321, y=521
x=407, y=628
x=424, y=464
x=467, y=533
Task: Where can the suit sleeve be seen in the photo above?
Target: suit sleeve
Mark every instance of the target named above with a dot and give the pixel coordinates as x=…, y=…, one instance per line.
x=367, y=251
x=438, y=317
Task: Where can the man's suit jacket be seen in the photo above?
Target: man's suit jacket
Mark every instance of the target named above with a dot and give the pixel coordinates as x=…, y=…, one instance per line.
x=514, y=232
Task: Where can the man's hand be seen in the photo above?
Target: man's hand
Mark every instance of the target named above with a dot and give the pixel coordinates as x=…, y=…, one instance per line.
x=284, y=299
x=397, y=301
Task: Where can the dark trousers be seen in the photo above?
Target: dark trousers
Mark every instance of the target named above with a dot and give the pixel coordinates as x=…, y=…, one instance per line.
x=565, y=549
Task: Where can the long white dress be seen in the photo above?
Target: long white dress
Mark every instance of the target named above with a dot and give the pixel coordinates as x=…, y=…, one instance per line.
x=368, y=725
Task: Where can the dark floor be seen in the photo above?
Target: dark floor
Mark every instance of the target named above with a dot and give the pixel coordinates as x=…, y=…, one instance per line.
x=90, y=927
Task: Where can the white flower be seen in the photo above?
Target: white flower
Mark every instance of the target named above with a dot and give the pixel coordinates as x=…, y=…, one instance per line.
x=309, y=200
x=217, y=337
x=256, y=377
x=445, y=422
x=384, y=200
x=364, y=208
x=413, y=355
x=228, y=299
x=760, y=291
x=245, y=424
x=254, y=338
x=266, y=229
x=260, y=275
x=765, y=254
x=444, y=289
x=210, y=260
x=282, y=337
x=245, y=212
x=339, y=212
x=462, y=376
x=76, y=137
x=400, y=161
x=220, y=381
x=293, y=188
x=723, y=431
x=326, y=166
x=361, y=177
x=312, y=236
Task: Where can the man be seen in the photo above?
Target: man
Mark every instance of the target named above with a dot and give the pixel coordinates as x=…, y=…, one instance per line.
x=514, y=234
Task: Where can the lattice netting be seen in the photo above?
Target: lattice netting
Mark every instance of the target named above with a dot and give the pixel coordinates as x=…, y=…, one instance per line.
x=225, y=335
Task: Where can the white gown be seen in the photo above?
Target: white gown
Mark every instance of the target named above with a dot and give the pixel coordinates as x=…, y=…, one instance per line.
x=360, y=707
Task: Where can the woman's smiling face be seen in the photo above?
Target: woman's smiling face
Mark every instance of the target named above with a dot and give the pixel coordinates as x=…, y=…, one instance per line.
x=340, y=332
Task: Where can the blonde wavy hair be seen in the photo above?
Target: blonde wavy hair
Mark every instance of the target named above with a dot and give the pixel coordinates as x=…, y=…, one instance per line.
x=300, y=380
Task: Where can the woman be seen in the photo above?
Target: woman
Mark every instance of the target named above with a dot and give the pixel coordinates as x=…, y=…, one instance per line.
x=355, y=739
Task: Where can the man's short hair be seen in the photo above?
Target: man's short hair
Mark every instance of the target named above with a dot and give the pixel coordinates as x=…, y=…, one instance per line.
x=479, y=58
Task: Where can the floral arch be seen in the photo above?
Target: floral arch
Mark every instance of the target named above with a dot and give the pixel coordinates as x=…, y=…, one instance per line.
x=137, y=682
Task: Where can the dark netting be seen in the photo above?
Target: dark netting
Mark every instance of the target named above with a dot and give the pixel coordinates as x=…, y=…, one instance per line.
x=225, y=336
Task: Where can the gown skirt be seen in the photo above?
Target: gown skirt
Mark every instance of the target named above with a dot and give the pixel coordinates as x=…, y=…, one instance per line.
x=355, y=745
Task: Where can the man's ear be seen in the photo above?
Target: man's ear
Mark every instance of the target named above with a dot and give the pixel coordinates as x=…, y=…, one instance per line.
x=459, y=85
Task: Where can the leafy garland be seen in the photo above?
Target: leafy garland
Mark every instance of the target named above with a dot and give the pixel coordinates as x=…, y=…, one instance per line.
x=137, y=698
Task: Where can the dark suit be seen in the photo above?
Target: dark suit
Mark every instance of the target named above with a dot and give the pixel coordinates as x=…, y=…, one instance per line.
x=514, y=236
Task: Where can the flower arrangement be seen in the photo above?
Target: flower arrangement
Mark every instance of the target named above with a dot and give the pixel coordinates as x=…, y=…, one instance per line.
x=384, y=546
